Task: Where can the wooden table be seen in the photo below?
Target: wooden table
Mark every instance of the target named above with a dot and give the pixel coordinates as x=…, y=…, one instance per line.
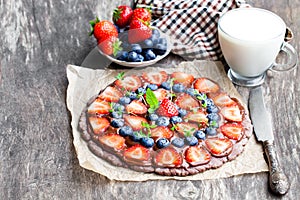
x=37, y=158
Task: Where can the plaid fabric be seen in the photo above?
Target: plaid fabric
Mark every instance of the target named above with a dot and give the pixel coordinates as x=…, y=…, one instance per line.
x=192, y=24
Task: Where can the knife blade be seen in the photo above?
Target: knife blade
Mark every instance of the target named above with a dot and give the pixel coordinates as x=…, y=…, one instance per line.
x=262, y=124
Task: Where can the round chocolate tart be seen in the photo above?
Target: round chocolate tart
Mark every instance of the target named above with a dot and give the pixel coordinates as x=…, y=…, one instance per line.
x=169, y=124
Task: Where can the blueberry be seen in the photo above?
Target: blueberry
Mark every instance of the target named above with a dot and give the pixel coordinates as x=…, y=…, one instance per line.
x=118, y=107
x=125, y=131
x=209, y=102
x=175, y=119
x=153, y=117
x=162, y=142
x=160, y=49
x=213, y=124
x=162, y=41
x=135, y=137
x=178, y=87
x=122, y=55
x=132, y=56
x=152, y=86
x=149, y=55
x=191, y=91
x=178, y=142
x=117, y=123
x=147, y=142
x=182, y=112
x=212, y=109
x=166, y=85
x=117, y=115
x=211, y=131
x=162, y=121
x=191, y=140
x=141, y=90
x=213, y=117
x=136, y=48
x=132, y=95
x=148, y=43
x=200, y=135
x=155, y=33
x=140, y=58
x=124, y=100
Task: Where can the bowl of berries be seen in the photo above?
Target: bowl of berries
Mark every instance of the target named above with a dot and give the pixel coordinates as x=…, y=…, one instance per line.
x=129, y=40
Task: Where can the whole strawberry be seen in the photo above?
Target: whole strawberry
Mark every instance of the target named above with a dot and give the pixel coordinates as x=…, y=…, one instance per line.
x=143, y=14
x=139, y=31
x=103, y=30
x=110, y=46
x=122, y=16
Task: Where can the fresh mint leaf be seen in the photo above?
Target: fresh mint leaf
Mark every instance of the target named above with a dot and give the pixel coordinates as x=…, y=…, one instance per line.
x=151, y=100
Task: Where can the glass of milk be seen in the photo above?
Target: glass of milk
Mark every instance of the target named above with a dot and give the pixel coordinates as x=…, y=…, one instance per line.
x=250, y=40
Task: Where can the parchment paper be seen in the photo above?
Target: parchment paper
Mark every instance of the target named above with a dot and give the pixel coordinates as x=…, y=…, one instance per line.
x=85, y=83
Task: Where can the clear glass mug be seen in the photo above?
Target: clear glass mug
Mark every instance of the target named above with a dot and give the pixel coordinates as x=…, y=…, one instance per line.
x=250, y=40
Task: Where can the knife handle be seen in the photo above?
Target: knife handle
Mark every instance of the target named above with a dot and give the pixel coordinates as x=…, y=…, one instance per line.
x=278, y=180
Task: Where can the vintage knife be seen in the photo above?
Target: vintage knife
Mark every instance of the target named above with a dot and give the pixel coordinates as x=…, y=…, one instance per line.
x=263, y=130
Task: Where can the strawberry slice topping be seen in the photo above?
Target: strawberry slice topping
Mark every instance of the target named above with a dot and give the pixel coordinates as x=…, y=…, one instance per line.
x=232, y=113
x=205, y=85
x=137, y=153
x=129, y=83
x=223, y=99
x=155, y=77
x=196, y=155
x=196, y=116
x=186, y=128
x=160, y=94
x=99, y=106
x=111, y=94
x=99, y=124
x=183, y=78
x=187, y=102
x=219, y=146
x=161, y=132
x=113, y=140
x=167, y=108
x=135, y=122
x=168, y=157
x=136, y=107
x=232, y=131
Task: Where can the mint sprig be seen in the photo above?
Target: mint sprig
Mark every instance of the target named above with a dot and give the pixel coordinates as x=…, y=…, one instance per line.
x=148, y=127
x=120, y=76
x=151, y=100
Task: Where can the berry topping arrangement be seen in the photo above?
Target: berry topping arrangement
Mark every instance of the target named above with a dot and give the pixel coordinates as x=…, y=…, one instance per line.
x=169, y=124
x=129, y=37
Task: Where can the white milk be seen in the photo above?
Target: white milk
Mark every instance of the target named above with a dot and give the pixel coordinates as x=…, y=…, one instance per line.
x=250, y=39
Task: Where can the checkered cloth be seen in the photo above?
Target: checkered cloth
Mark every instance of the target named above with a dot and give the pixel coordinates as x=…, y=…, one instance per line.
x=192, y=24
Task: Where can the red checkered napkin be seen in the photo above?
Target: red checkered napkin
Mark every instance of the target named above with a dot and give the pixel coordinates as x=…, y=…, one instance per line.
x=192, y=24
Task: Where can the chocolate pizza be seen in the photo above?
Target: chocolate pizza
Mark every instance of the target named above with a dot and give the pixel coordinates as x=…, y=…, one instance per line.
x=169, y=124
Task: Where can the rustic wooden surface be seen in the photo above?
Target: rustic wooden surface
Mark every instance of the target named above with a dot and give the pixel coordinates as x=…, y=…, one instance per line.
x=37, y=159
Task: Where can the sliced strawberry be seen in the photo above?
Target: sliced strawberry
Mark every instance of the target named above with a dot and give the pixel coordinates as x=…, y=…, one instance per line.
x=232, y=113
x=113, y=140
x=137, y=153
x=205, y=85
x=219, y=146
x=160, y=94
x=135, y=122
x=136, y=107
x=187, y=102
x=111, y=94
x=168, y=157
x=167, y=108
x=99, y=106
x=233, y=131
x=186, y=128
x=196, y=155
x=155, y=77
x=196, y=116
x=99, y=124
x=161, y=132
x=223, y=99
x=183, y=78
x=129, y=83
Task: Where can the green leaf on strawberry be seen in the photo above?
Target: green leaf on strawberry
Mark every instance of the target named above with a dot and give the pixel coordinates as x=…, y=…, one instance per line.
x=151, y=100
